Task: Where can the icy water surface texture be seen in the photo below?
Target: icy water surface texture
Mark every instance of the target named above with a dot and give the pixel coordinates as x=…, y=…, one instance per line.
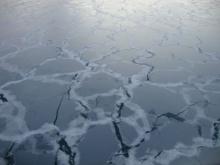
x=121, y=82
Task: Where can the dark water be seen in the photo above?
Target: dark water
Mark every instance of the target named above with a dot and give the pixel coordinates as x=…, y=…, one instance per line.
x=97, y=82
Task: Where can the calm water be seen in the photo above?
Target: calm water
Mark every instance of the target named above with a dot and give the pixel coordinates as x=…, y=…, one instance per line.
x=97, y=82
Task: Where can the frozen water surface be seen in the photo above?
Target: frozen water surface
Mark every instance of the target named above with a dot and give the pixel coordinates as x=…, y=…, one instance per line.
x=123, y=82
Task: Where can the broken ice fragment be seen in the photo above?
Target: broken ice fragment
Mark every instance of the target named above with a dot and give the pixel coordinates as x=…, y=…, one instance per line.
x=216, y=127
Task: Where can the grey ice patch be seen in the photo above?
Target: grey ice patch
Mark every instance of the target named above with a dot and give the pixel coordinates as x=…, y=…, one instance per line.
x=99, y=83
